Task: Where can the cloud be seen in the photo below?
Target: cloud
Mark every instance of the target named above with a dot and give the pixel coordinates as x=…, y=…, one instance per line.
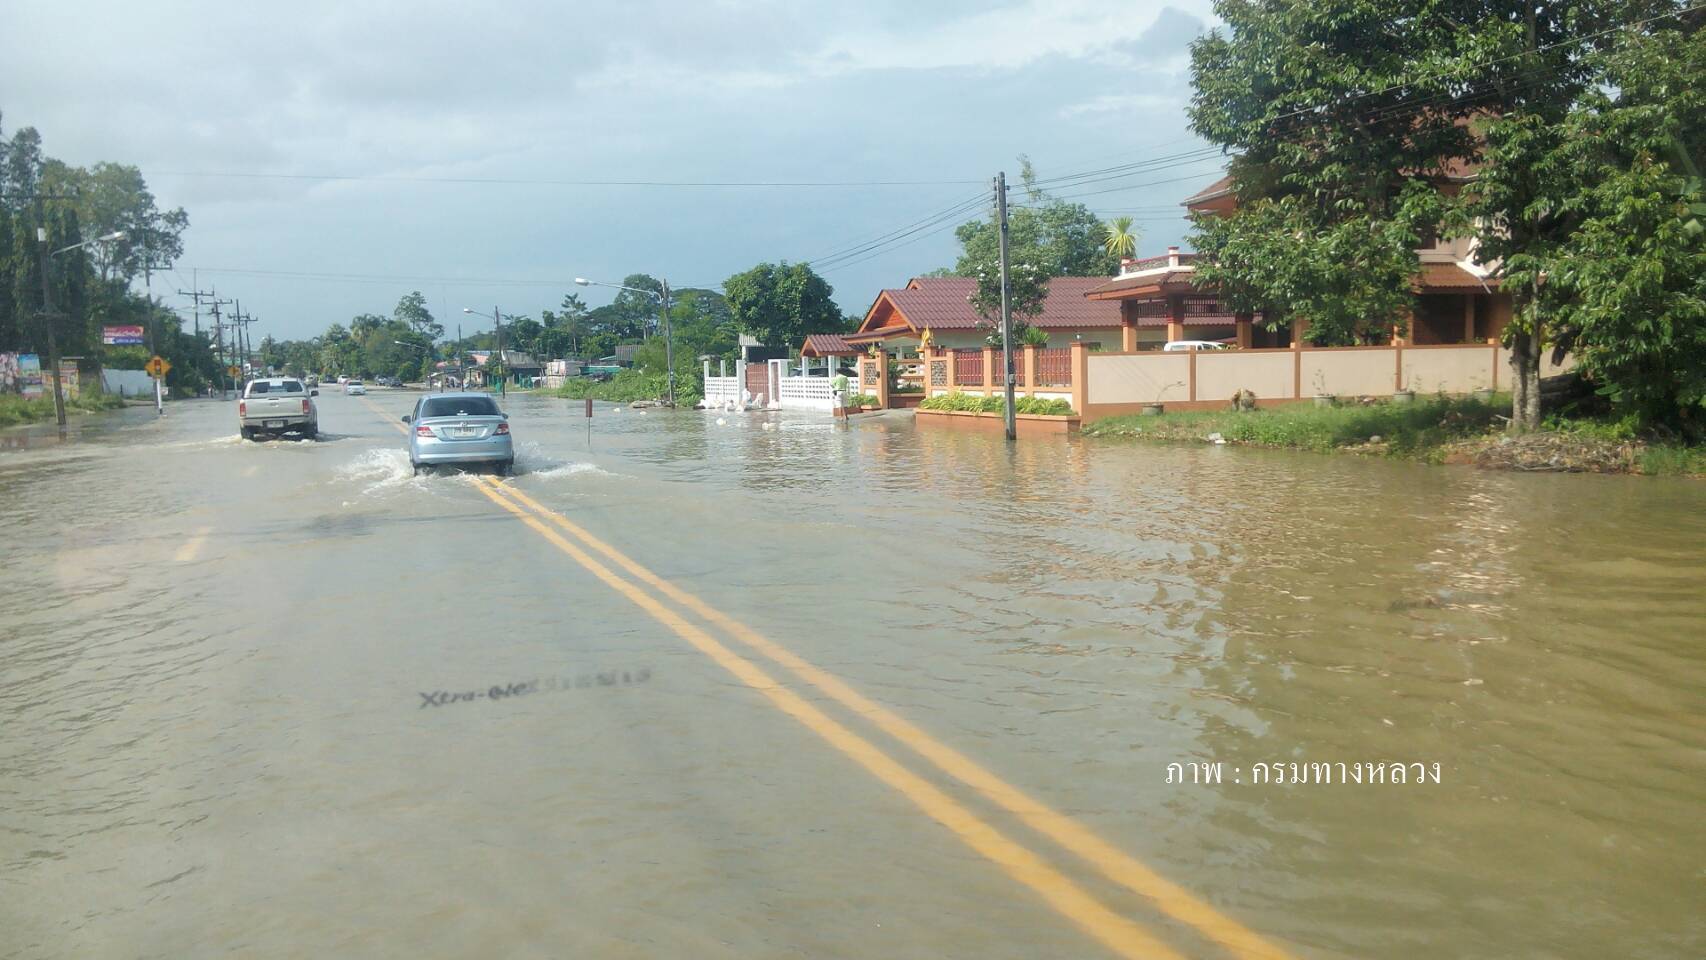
x=644, y=89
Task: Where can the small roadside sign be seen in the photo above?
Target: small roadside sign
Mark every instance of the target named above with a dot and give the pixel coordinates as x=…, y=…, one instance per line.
x=157, y=367
x=234, y=370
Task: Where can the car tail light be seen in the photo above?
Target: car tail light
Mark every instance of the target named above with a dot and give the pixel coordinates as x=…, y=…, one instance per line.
x=503, y=428
x=242, y=408
x=304, y=404
x=423, y=431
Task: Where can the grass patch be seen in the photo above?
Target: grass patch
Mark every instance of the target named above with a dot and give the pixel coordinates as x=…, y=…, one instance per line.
x=15, y=409
x=1669, y=460
x=1414, y=429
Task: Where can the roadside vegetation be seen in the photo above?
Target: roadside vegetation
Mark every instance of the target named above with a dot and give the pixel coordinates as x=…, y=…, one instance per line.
x=15, y=409
x=972, y=403
x=1433, y=429
x=635, y=384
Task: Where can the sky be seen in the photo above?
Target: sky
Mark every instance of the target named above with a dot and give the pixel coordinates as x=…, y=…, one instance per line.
x=334, y=156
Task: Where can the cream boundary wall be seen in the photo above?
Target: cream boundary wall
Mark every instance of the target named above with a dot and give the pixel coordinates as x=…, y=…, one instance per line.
x=1355, y=371
x=1265, y=373
x=1138, y=377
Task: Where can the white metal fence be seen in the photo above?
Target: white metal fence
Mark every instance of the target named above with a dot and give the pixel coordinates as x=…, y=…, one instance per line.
x=721, y=390
x=806, y=393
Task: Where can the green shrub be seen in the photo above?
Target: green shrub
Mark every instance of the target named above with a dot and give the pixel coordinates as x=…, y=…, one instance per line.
x=973, y=403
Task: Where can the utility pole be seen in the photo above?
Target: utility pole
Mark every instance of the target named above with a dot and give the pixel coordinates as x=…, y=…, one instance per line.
x=1006, y=306
x=498, y=318
x=668, y=344
x=196, y=295
x=219, y=347
x=148, y=284
x=47, y=321
x=240, y=342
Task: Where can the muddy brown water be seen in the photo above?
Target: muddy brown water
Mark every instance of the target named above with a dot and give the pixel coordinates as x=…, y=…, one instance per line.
x=229, y=721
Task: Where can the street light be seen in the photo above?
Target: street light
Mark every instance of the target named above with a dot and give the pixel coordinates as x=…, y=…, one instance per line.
x=497, y=318
x=47, y=312
x=668, y=338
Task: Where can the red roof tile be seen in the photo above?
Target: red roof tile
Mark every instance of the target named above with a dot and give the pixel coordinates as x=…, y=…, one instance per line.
x=1450, y=276
x=827, y=345
x=941, y=303
x=1213, y=191
x=1152, y=284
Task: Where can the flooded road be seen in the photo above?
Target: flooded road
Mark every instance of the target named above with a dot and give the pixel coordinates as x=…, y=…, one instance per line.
x=690, y=689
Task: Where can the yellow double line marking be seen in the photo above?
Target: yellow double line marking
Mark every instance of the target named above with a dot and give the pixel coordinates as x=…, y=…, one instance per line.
x=1122, y=935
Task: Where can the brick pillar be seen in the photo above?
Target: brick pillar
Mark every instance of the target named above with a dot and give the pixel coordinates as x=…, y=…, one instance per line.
x=882, y=364
x=1080, y=374
x=1298, y=328
x=953, y=375
x=1029, y=357
x=1246, y=331
x=1128, y=326
x=989, y=369
x=1175, y=318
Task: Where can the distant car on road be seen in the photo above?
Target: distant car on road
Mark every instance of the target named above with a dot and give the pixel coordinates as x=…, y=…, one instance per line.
x=276, y=406
x=1179, y=346
x=459, y=429
x=355, y=388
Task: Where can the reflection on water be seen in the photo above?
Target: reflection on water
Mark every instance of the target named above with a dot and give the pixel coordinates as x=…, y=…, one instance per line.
x=1076, y=614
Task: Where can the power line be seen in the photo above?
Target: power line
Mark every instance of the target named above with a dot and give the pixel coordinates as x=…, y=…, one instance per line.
x=538, y=182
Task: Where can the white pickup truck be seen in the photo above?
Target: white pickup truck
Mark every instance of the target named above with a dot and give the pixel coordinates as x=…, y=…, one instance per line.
x=278, y=405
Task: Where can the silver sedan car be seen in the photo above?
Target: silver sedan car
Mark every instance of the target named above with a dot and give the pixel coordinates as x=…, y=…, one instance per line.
x=460, y=429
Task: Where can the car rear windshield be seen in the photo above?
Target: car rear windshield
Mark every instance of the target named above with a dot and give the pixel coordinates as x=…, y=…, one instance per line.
x=459, y=407
x=284, y=386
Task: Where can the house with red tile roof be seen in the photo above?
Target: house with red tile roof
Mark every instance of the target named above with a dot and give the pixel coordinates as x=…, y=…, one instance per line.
x=1457, y=300
x=898, y=320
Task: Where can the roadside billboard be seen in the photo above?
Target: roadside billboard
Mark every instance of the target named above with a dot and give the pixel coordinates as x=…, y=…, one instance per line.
x=123, y=336
x=29, y=376
x=68, y=380
x=8, y=373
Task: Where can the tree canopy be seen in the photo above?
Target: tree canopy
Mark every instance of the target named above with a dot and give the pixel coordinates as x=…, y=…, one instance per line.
x=778, y=304
x=1351, y=121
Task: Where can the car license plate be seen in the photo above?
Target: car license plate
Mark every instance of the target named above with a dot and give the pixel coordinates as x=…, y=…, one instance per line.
x=464, y=432
x=275, y=423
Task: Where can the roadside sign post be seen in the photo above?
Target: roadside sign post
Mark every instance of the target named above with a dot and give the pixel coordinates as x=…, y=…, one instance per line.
x=157, y=367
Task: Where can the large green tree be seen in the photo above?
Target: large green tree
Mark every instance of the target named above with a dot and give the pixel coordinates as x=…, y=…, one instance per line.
x=1602, y=211
x=778, y=304
x=412, y=311
x=1057, y=237
x=1346, y=118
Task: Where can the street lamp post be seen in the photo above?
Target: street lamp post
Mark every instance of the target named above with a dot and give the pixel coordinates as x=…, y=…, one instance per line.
x=47, y=312
x=668, y=337
x=498, y=320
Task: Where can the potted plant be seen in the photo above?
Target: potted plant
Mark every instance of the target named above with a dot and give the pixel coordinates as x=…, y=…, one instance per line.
x=1404, y=396
x=1322, y=397
x=1155, y=408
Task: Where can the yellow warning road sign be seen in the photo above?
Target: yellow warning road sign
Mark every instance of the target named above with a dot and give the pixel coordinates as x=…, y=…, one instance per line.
x=157, y=367
x=234, y=370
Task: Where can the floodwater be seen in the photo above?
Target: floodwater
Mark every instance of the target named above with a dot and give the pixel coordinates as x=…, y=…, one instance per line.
x=286, y=699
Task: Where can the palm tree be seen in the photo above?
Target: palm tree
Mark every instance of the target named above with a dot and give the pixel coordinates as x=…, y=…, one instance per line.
x=1118, y=239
